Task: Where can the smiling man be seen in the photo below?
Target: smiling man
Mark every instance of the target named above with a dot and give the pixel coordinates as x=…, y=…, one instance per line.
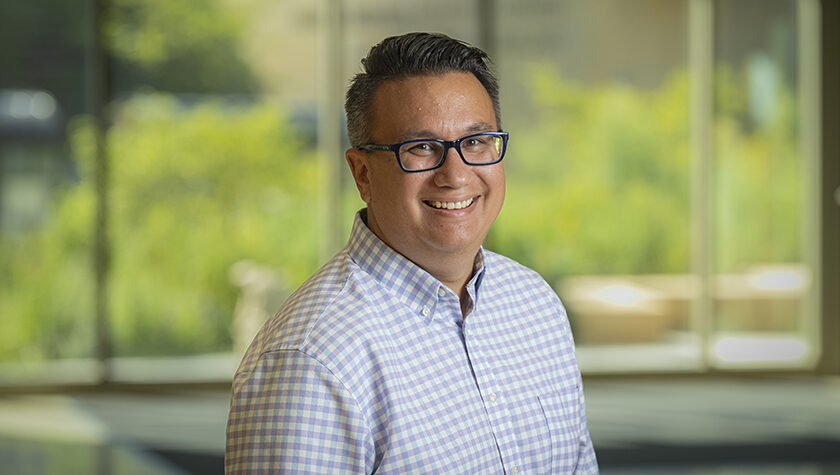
x=435, y=212
x=415, y=350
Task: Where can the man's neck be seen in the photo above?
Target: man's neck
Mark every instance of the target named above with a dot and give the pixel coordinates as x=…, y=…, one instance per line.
x=454, y=277
x=456, y=281
x=454, y=269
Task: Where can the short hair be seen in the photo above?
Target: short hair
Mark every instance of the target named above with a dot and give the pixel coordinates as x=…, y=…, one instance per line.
x=409, y=55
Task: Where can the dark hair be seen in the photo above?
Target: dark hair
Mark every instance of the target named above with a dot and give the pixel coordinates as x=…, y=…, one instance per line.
x=412, y=54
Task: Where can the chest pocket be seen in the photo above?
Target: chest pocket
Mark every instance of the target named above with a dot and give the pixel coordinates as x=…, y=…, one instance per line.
x=562, y=417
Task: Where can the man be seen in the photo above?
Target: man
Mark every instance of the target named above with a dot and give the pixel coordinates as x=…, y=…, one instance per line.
x=414, y=350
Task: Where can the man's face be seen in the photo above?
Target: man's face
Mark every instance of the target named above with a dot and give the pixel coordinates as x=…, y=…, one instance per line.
x=400, y=210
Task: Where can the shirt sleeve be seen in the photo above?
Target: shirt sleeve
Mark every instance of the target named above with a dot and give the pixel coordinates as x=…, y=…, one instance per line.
x=290, y=414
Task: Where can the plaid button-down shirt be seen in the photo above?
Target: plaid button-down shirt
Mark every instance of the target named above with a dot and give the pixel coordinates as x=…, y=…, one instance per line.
x=370, y=367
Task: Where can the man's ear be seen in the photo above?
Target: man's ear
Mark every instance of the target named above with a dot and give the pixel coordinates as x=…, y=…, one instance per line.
x=357, y=159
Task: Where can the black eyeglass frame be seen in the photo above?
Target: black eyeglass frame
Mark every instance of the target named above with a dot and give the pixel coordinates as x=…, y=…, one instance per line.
x=447, y=144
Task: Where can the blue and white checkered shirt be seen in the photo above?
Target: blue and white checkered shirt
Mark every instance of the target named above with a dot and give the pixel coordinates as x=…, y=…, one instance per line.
x=370, y=367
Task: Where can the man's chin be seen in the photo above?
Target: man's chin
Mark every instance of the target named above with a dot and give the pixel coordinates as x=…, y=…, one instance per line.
x=451, y=245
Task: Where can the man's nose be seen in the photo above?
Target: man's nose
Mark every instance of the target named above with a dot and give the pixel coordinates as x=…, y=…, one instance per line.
x=454, y=172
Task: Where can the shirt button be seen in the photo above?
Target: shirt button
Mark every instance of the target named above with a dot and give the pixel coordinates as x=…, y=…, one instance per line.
x=441, y=292
x=425, y=312
x=491, y=397
x=514, y=470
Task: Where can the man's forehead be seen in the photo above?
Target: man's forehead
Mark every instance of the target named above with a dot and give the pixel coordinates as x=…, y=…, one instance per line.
x=479, y=126
x=419, y=80
x=410, y=105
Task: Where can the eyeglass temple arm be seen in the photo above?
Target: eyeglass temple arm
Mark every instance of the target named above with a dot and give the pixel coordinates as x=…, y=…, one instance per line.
x=377, y=148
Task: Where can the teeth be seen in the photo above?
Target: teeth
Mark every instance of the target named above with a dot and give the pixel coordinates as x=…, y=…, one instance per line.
x=450, y=204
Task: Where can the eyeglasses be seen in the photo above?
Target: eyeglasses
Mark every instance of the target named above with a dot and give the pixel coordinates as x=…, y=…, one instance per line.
x=427, y=154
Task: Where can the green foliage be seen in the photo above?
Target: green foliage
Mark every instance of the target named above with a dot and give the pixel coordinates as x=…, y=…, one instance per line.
x=600, y=182
x=193, y=190
x=46, y=285
x=183, y=46
x=759, y=186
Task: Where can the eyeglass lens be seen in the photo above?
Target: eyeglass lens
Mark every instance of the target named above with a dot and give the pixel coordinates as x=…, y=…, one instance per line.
x=423, y=154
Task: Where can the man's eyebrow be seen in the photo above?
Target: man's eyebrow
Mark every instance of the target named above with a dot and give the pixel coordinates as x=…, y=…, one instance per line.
x=480, y=127
x=427, y=134
x=415, y=135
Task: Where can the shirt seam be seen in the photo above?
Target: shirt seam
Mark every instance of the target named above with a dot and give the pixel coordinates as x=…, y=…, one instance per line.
x=305, y=340
x=335, y=377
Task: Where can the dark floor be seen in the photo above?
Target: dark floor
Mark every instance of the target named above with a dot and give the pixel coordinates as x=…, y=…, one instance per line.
x=767, y=425
x=638, y=426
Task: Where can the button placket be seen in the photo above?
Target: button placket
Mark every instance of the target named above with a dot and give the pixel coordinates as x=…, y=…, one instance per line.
x=496, y=411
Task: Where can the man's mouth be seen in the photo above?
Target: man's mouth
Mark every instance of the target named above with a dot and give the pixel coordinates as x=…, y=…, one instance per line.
x=450, y=204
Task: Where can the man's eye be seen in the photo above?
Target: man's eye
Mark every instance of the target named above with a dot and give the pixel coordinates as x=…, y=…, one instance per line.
x=475, y=142
x=422, y=148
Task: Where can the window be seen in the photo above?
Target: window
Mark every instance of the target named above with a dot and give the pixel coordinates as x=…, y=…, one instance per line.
x=660, y=174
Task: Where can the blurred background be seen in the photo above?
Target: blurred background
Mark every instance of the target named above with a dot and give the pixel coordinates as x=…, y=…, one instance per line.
x=171, y=170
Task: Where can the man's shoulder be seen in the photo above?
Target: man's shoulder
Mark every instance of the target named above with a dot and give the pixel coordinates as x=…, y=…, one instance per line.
x=326, y=297
x=516, y=284
x=504, y=267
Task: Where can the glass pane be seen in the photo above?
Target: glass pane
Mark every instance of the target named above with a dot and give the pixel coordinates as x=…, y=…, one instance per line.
x=762, y=282
x=213, y=173
x=596, y=96
x=369, y=22
x=46, y=211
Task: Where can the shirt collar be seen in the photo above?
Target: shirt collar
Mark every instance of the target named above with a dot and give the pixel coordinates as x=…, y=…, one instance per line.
x=407, y=281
